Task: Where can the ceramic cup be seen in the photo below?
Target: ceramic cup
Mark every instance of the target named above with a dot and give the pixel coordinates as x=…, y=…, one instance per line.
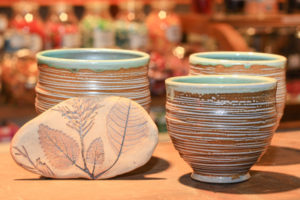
x=221, y=124
x=246, y=63
x=66, y=73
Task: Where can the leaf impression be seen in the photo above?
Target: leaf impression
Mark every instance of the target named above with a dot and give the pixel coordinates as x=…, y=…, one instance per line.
x=126, y=125
x=38, y=167
x=43, y=168
x=95, y=155
x=80, y=113
x=60, y=149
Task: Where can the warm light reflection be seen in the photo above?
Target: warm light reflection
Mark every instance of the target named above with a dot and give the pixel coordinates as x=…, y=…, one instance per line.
x=298, y=34
x=162, y=14
x=28, y=17
x=251, y=31
x=63, y=16
x=179, y=52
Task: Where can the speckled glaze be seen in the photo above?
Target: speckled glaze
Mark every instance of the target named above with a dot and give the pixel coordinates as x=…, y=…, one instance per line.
x=221, y=124
x=67, y=73
x=246, y=63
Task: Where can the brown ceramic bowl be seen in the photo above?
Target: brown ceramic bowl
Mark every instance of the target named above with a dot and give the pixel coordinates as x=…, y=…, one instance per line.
x=246, y=63
x=66, y=73
x=221, y=124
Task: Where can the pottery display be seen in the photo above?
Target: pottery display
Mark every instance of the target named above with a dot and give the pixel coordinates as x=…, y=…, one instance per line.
x=86, y=137
x=246, y=63
x=221, y=124
x=66, y=73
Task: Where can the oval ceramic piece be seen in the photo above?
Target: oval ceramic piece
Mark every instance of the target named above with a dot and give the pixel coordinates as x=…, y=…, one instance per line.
x=220, y=125
x=86, y=137
x=67, y=73
x=246, y=63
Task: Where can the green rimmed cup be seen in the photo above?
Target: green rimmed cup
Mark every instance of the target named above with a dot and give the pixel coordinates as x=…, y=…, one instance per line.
x=66, y=73
x=245, y=63
x=221, y=124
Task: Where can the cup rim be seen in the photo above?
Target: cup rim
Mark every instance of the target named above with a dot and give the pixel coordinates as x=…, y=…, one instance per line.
x=142, y=58
x=273, y=60
x=264, y=83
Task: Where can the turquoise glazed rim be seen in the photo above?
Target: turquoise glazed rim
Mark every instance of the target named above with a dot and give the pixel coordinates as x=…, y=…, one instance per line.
x=232, y=58
x=212, y=84
x=93, y=59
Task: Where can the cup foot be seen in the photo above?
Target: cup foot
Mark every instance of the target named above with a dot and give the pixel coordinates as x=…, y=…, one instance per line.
x=220, y=179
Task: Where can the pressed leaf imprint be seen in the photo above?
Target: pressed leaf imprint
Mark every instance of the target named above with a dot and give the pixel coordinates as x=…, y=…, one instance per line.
x=81, y=116
x=44, y=168
x=95, y=156
x=61, y=150
x=126, y=126
x=38, y=167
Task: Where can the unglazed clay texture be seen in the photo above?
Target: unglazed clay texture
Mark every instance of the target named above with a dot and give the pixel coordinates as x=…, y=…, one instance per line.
x=257, y=64
x=57, y=84
x=220, y=134
x=86, y=137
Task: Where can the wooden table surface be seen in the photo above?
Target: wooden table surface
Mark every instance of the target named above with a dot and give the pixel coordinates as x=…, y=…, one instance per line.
x=165, y=176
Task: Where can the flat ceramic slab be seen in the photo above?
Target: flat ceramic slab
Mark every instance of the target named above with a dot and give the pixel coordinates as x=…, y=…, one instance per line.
x=88, y=137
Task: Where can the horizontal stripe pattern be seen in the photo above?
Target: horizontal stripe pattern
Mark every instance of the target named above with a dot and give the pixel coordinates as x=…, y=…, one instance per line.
x=221, y=134
x=258, y=70
x=55, y=85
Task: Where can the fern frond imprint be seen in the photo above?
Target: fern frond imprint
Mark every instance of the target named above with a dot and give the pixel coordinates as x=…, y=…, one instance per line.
x=81, y=115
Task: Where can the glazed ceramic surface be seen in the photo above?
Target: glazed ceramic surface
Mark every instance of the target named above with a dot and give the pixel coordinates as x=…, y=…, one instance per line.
x=247, y=63
x=86, y=137
x=67, y=73
x=221, y=124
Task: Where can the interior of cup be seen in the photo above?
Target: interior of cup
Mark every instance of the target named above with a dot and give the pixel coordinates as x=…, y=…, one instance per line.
x=93, y=59
x=219, y=80
x=91, y=55
x=221, y=83
x=232, y=58
x=238, y=56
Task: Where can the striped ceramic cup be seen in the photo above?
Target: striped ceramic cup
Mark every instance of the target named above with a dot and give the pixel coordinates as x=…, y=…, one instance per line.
x=221, y=124
x=246, y=63
x=66, y=73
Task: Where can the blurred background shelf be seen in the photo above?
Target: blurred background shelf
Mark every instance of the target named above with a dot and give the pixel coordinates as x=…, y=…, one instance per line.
x=270, y=21
x=81, y=2
x=228, y=38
